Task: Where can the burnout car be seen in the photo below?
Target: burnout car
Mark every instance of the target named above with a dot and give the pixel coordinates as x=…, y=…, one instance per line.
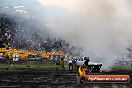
x=85, y=62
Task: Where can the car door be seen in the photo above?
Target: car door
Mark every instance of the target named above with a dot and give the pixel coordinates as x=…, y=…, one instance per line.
x=80, y=62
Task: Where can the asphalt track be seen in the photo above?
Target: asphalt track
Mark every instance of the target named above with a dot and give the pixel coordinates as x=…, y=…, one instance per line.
x=52, y=79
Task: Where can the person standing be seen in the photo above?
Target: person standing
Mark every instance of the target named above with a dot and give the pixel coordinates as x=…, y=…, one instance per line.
x=62, y=63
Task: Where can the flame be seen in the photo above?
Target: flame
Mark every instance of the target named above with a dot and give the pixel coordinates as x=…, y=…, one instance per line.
x=81, y=71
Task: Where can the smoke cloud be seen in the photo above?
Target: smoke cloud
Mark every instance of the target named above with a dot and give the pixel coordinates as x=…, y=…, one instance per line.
x=101, y=28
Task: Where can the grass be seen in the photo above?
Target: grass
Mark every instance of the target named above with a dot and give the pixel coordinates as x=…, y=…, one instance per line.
x=24, y=66
x=122, y=67
x=47, y=66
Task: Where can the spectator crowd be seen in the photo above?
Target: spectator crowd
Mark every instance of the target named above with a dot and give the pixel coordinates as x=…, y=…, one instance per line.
x=13, y=35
